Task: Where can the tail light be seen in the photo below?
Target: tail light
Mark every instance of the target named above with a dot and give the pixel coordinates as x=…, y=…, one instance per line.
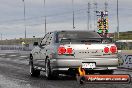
x=106, y=49
x=69, y=50
x=113, y=49
x=61, y=50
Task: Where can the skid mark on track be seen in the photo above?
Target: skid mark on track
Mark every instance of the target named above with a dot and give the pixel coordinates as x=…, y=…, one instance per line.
x=2, y=54
x=12, y=55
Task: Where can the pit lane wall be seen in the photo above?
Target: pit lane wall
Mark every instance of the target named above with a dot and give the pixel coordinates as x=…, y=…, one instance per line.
x=125, y=57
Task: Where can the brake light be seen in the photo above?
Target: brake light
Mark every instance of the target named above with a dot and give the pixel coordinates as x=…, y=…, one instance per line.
x=106, y=49
x=69, y=50
x=113, y=49
x=61, y=50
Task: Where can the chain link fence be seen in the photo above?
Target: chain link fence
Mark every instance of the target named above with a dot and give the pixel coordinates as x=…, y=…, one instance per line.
x=18, y=44
x=17, y=47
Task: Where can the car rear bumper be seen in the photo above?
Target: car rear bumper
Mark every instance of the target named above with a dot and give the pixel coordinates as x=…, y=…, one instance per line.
x=101, y=63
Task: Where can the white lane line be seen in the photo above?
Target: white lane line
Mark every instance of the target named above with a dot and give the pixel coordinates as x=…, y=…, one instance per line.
x=12, y=55
x=23, y=56
x=2, y=54
x=8, y=58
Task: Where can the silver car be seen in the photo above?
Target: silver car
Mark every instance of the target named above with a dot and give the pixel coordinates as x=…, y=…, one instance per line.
x=63, y=52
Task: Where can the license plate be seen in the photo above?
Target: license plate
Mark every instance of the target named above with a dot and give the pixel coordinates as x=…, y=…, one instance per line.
x=88, y=65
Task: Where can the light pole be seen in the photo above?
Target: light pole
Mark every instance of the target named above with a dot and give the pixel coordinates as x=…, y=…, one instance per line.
x=117, y=21
x=45, y=16
x=25, y=18
x=95, y=16
x=88, y=16
x=1, y=36
x=73, y=14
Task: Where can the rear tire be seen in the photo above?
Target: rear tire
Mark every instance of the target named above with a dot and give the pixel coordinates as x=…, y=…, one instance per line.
x=72, y=72
x=110, y=71
x=47, y=69
x=49, y=74
x=33, y=72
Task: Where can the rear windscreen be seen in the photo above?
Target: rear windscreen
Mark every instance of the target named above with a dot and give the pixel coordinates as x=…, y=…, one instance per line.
x=77, y=36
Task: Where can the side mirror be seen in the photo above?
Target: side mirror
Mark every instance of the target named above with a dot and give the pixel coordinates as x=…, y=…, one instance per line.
x=35, y=44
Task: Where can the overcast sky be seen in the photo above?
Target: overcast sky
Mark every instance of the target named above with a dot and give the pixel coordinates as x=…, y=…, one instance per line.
x=59, y=16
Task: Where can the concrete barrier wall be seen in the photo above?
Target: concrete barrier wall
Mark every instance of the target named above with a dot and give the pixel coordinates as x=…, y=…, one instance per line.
x=126, y=57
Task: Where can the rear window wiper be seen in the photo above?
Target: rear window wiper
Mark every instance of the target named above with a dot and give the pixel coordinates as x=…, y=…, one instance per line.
x=80, y=40
x=90, y=41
